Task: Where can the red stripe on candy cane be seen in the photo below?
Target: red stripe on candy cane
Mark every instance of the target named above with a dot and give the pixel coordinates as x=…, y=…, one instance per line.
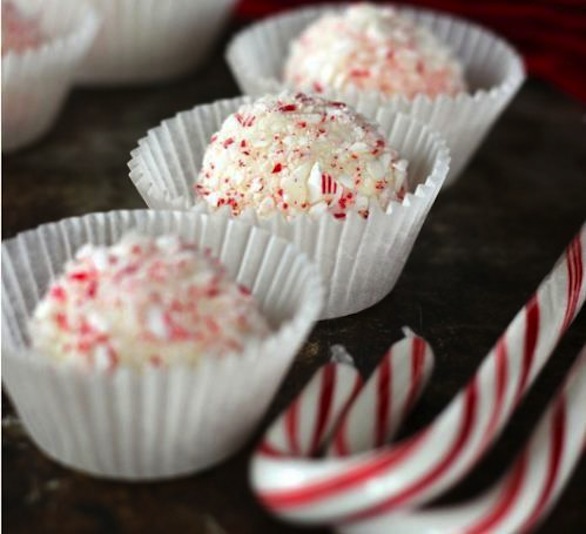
x=339, y=442
x=416, y=371
x=517, y=502
x=506, y=502
x=382, y=405
x=501, y=371
x=470, y=423
x=578, y=273
x=328, y=384
x=466, y=429
x=531, y=332
x=556, y=452
x=328, y=184
x=291, y=426
x=575, y=275
x=341, y=482
x=385, y=384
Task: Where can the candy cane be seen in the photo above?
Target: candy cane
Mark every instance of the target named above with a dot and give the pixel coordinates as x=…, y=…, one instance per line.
x=317, y=411
x=386, y=399
x=312, y=416
x=529, y=489
x=419, y=468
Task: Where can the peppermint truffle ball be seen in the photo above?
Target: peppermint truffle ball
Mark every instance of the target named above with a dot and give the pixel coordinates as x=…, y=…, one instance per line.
x=19, y=32
x=372, y=48
x=295, y=154
x=144, y=301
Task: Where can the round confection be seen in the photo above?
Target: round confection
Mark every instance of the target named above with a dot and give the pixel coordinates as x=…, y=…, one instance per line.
x=372, y=48
x=294, y=154
x=144, y=301
x=19, y=32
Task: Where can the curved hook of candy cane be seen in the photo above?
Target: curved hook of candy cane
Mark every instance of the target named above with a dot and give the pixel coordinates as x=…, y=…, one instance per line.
x=337, y=389
x=529, y=489
x=421, y=467
x=386, y=399
x=308, y=421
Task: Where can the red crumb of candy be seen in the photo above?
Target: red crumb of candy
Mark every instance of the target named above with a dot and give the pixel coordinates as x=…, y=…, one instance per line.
x=58, y=293
x=318, y=87
x=360, y=73
x=156, y=361
x=245, y=121
x=61, y=321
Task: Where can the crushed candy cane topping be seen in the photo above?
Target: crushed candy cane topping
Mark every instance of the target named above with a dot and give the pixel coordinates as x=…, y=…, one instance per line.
x=295, y=154
x=372, y=48
x=19, y=32
x=144, y=301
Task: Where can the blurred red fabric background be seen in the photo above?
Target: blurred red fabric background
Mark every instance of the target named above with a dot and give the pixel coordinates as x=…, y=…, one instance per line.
x=551, y=35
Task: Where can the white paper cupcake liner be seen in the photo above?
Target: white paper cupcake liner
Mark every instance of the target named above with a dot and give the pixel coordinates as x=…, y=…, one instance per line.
x=493, y=69
x=158, y=422
x=36, y=82
x=359, y=259
x=151, y=40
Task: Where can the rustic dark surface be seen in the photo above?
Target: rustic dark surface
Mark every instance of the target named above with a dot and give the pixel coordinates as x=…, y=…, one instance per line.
x=488, y=242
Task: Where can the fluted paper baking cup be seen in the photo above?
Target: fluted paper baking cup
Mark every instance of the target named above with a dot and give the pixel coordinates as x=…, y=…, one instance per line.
x=143, y=41
x=35, y=82
x=359, y=259
x=156, y=422
x=493, y=69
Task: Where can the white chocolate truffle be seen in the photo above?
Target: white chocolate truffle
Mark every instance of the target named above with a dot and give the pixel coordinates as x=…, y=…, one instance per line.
x=372, y=48
x=296, y=154
x=144, y=301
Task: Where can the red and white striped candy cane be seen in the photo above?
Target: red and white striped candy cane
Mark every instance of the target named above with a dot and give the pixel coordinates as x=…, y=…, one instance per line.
x=528, y=490
x=389, y=394
x=312, y=416
x=416, y=470
x=386, y=399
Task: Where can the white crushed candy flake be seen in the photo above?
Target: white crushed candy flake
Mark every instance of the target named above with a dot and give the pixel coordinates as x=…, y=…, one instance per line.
x=346, y=180
x=101, y=358
x=400, y=165
x=101, y=260
x=372, y=48
x=339, y=354
x=96, y=321
x=85, y=250
x=159, y=301
x=168, y=243
x=155, y=321
x=295, y=154
x=318, y=209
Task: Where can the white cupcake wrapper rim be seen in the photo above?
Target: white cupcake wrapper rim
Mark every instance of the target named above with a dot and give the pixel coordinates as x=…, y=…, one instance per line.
x=257, y=55
x=144, y=41
x=359, y=259
x=35, y=82
x=157, y=422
